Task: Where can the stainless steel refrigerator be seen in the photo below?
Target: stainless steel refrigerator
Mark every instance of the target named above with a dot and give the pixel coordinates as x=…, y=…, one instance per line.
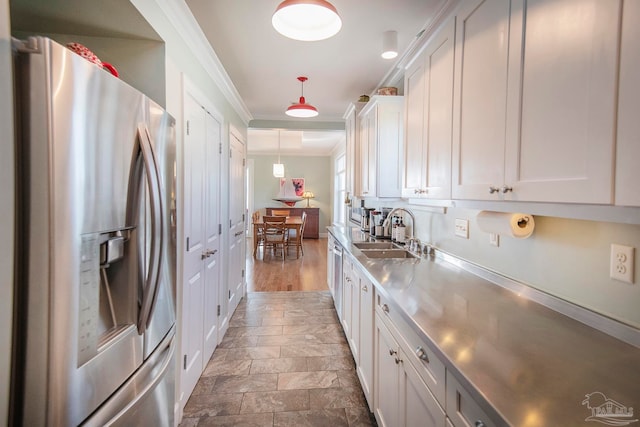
x=95, y=276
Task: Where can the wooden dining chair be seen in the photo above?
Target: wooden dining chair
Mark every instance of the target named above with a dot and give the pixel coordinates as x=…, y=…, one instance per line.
x=258, y=232
x=281, y=212
x=275, y=233
x=295, y=239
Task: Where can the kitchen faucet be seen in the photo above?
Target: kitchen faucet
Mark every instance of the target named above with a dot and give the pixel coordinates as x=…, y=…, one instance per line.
x=387, y=221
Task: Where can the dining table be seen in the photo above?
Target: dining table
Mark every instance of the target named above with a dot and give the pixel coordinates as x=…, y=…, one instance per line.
x=291, y=223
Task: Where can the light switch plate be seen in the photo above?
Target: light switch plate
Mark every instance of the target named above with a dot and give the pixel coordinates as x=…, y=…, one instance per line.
x=494, y=239
x=462, y=228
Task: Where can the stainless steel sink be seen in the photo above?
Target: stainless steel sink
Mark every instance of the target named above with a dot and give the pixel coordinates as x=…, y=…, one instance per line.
x=388, y=253
x=375, y=245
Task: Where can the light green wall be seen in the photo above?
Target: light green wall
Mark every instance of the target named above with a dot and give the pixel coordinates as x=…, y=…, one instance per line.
x=6, y=209
x=316, y=172
x=564, y=257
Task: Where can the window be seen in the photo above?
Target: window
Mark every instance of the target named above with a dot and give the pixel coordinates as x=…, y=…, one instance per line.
x=339, y=189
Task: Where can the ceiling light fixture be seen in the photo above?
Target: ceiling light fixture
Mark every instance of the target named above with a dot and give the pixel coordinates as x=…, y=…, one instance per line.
x=306, y=20
x=302, y=109
x=278, y=168
x=389, y=44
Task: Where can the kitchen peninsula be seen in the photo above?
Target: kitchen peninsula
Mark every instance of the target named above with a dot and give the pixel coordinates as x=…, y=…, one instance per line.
x=505, y=359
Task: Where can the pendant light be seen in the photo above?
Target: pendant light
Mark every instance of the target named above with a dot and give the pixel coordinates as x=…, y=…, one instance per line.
x=389, y=44
x=278, y=168
x=302, y=109
x=306, y=20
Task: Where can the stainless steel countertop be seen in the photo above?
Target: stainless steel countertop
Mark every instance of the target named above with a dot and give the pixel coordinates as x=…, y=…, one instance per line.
x=525, y=364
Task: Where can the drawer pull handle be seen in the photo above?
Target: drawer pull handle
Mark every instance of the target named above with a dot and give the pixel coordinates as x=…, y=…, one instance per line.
x=480, y=423
x=385, y=308
x=422, y=355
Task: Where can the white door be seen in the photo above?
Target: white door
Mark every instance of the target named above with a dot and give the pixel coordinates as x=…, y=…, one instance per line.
x=439, y=109
x=236, y=221
x=387, y=375
x=628, y=144
x=418, y=407
x=212, y=231
x=201, y=279
x=562, y=100
x=193, y=280
x=482, y=42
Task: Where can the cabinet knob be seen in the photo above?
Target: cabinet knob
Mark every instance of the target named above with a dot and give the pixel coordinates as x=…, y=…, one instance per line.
x=365, y=289
x=506, y=189
x=417, y=191
x=480, y=423
x=392, y=352
x=385, y=308
x=422, y=355
x=493, y=190
x=398, y=361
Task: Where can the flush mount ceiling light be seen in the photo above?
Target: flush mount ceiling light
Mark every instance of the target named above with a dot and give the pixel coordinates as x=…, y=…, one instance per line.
x=389, y=44
x=306, y=20
x=278, y=168
x=302, y=109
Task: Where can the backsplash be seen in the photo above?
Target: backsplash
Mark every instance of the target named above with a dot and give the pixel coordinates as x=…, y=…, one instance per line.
x=564, y=257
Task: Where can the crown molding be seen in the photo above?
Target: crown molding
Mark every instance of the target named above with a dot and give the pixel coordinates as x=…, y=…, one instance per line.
x=180, y=16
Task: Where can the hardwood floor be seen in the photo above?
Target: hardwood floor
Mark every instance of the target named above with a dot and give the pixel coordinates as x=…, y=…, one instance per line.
x=267, y=272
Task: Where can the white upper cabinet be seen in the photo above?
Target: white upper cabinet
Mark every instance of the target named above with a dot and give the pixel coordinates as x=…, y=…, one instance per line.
x=381, y=136
x=482, y=42
x=628, y=144
x=534, y=104
x=352, y=152
x=561, y=107
x=366, y=164
x=428, y=116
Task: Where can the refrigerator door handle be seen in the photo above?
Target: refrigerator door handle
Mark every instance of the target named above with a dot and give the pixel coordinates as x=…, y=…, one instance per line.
x=143, y=155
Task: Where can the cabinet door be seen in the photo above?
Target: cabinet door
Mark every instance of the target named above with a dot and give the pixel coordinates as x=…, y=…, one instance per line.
x=389, y=147
x=365, y=184
x=386, y=399
x=418, y=407
x=414, y=147
x=347, y=298
x=628, y=144
x=482, y=41
x=439, y=111
x=354, y=337
x=365, y=365
x=562, y=100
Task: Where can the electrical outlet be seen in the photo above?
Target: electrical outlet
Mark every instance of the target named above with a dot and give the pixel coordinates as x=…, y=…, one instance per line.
x=462, y=228
x=622, y=260
x=494, y=239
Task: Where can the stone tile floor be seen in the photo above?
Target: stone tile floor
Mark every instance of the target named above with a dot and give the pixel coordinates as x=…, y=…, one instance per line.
x=284, y=361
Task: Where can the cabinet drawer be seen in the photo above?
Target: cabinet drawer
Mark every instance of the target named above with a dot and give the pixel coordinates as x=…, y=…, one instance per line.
x=462, y=409
x=426, y=363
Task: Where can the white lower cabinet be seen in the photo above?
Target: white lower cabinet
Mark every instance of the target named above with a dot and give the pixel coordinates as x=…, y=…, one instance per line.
x=365, y=364
x=401, y=398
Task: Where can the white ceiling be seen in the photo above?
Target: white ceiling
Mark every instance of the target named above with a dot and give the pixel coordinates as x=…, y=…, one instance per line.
x=263, y=65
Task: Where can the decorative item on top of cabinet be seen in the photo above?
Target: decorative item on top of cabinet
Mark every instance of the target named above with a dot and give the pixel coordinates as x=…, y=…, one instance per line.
x=533, y=115
x=428, y=115
x=381, y=142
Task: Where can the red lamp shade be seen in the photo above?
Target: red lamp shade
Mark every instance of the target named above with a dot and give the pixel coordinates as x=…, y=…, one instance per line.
x=302, y=109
